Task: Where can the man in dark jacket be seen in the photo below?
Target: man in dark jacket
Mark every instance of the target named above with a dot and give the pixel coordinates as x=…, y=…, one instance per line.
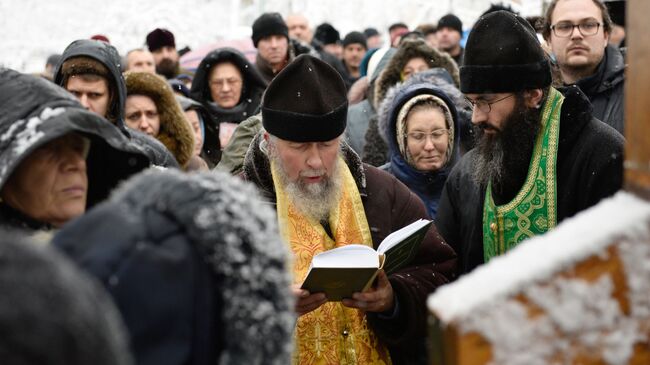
x=90, y=70
x=320, y=187
x=448, y=34
x=540, y=155
x=578, y=33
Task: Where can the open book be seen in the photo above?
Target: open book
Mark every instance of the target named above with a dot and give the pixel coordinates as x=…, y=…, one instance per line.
x=342, y=271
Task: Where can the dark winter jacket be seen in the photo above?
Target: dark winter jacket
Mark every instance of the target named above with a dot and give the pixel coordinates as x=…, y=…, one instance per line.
x=605, y=89
x=108, y=56
x=376, y=150
x=388, y=205
x=211, y=150
x=330, y=59
x=589, y=168
x=427, y=185
x=295, y=49
x=35, y=112
x=51, y=312
x=196, y=268
x=175, y=132
x=252, y=88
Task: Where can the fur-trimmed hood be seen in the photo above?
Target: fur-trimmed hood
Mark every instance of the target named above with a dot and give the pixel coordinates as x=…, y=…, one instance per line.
x=257, y=168
x=252, y=89
x=408, y=49
x=175, y=132
x=197, y=268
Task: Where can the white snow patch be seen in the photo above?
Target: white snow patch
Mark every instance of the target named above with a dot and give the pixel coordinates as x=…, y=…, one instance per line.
x=538, y=258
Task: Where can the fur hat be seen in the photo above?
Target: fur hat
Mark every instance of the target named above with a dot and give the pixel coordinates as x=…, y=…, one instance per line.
x=306, y=102
x=83, y=65
x=269, y=24
x=355, y=37
x=159, y=38
x=451, y=21
x=503, y=55
x=175, y=132
x=327, y=34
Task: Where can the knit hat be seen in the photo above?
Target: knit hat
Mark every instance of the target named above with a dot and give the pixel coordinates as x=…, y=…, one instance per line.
x=327, y=34
x=100, y=37
x=370, y=32
x=503, y=55
x=159, y=38
x=306, y=102
x=451, y=21
x=269, y=24
x=355, y=37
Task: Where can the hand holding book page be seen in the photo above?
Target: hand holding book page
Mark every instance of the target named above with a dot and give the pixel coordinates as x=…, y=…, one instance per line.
x=342, y=271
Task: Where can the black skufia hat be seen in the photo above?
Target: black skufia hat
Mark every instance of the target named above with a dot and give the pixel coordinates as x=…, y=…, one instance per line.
x=503, y=54
x=306, y=102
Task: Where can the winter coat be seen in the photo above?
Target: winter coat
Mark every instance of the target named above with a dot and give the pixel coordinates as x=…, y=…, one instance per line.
x=589, y=168
x=35, y=112
x=376, y=150
x=211, y=150
x=388, y=205
x=295, y=49
x=252, y=88
x=175, y=132
x=53, y=313
x=196, y=268
x=359, y=115
x=330, y=59
x=605, y=89
x=427, y=185
x=108, y=56
x=232, y=159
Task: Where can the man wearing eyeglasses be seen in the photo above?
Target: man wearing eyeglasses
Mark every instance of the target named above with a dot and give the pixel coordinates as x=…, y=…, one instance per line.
x=578, y=32
x=540, y=156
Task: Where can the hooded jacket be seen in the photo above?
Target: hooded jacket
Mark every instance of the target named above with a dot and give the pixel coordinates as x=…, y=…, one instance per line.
x=53, y=313
x=35, y=112
x=197, y=269
x=108, y=56
x=605, y=89
x=175, y=132
x=589, y=168
x=252, y=88
x=211, y=150
x=388, y=205
x=426, y=184
x=375, y=150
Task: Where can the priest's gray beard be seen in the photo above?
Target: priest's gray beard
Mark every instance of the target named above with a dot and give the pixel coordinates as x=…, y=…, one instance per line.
x=314, y=200
x=505, y=157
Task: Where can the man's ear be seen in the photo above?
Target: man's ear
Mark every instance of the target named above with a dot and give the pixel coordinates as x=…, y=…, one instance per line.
x=266, y=137
x=533, y=98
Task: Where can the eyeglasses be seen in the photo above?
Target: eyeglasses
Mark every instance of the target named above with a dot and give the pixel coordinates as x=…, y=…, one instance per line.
x=232, y=82
x=421, y=137
x=565, y=29
x=484, y=105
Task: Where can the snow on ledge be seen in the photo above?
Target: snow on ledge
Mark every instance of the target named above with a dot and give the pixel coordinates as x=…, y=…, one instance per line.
x=577, y=238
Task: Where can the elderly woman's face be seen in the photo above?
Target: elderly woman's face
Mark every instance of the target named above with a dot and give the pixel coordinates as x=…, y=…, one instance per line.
x=51, y=184
x=427, y=138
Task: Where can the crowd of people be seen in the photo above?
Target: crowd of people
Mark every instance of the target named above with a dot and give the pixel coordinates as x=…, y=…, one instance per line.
x=170, y=215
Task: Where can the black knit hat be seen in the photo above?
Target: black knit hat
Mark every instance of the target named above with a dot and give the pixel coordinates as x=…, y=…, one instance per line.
x=327, y=34
x=355, y=37
x=159, y=38
x=503, y=54
x=451, y=21
x=269, y=24
x=370, y=32
x=306, y=102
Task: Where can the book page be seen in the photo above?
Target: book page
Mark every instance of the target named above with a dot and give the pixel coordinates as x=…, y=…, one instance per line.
x=399, y=235
x=347, y=256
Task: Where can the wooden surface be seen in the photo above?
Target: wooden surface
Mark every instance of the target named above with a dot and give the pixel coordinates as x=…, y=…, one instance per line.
x=637, y=99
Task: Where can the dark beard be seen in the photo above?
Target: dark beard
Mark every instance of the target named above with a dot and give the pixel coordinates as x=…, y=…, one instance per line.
x=504, y=158
x=167, y=68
